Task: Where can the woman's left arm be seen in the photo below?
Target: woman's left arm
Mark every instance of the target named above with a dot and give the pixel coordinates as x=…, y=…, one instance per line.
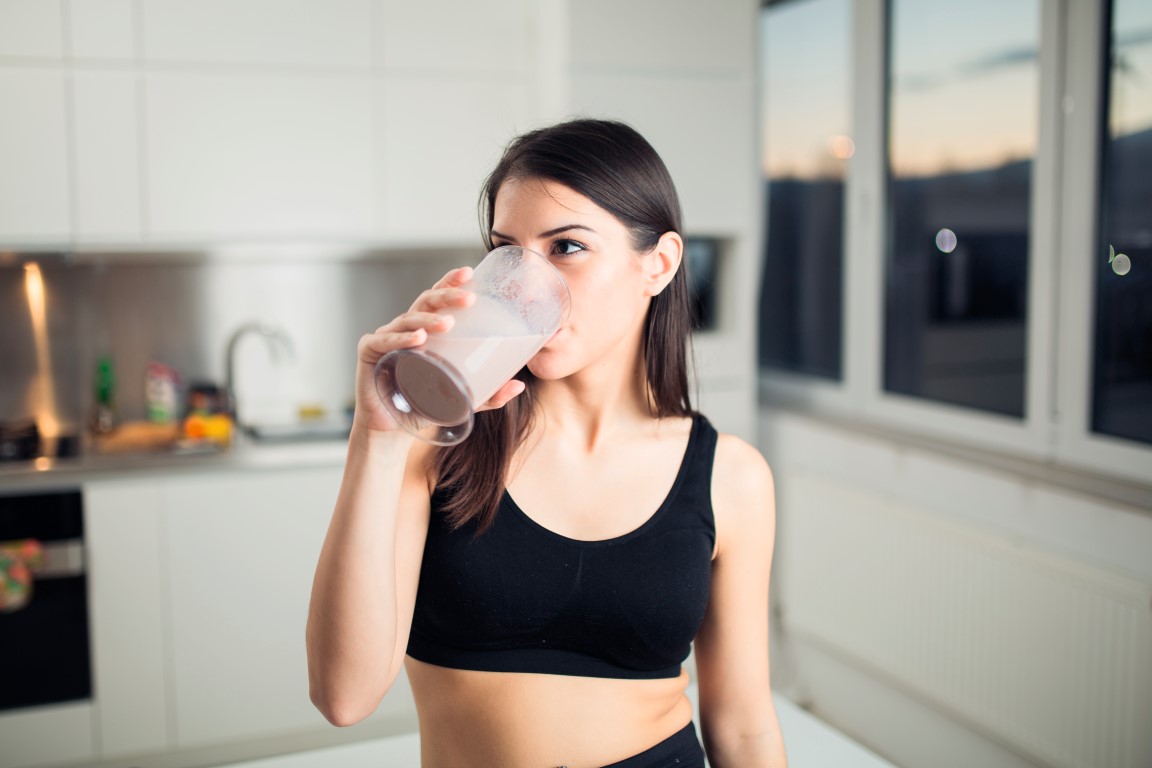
x=737, y=716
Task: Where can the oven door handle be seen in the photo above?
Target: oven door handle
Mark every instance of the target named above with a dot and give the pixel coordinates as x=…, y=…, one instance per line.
x=63, y=558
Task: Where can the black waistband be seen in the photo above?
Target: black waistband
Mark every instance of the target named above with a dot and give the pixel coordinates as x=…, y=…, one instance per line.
x=682, y=750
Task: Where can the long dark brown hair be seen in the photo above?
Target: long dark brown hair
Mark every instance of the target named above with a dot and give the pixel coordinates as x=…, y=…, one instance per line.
x=614, y=166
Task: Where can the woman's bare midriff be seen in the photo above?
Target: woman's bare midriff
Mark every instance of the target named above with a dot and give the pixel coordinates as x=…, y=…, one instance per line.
x=520, y=720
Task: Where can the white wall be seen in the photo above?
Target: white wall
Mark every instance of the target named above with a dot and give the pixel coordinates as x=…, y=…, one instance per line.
x=949, y=610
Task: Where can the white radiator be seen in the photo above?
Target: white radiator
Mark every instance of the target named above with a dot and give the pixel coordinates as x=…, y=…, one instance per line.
x=1048, y=655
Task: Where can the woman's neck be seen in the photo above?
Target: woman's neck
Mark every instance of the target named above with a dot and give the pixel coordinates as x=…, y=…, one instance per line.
x=592, y=405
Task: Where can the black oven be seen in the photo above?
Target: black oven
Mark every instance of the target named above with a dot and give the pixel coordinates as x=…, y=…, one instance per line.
x=44, y=642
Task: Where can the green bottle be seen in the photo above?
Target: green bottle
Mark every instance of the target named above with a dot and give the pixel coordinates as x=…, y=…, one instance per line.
x=104, y=409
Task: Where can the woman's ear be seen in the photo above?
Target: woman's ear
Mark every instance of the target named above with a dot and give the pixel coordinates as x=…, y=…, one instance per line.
x=661, y=263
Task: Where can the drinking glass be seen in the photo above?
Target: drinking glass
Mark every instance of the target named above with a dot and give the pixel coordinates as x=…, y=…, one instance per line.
x=433, y=390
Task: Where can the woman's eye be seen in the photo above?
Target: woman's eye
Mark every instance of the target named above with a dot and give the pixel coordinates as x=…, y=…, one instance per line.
x=566, y=247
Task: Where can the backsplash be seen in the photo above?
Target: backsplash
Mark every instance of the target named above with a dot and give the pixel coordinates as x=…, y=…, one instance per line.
x=180, y=310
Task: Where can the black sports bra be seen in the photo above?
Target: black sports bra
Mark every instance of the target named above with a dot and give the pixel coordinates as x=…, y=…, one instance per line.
x=522, y=598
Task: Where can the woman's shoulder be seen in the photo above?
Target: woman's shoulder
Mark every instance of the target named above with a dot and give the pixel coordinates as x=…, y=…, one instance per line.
x=739, y=464
x=743, y=488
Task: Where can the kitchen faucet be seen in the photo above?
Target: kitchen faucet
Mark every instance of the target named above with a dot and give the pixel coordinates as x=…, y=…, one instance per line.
x=275, y=337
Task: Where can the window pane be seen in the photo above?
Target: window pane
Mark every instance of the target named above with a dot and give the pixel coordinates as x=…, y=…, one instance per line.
x=1122, y=395
x=806, y=98
x=962, y=111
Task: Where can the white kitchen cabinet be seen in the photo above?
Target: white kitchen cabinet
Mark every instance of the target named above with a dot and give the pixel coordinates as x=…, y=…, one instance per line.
x=31, y=28
x=303, y=33
x=353, y=121
x=34, y=186
x=122, y=522
x=127, y=712
x=359, y=121
x=241, y=553
x=459, y=36
x=106, y=141
x=54, y=734
x=440, y=139
x=102, y=29
x=253, y=156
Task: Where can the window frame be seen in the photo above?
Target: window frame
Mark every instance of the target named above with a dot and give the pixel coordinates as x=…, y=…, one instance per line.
x=1087, y=37
x=1055, y=428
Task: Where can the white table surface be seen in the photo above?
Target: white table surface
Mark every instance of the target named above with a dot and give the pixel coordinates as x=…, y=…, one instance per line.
x=810, y=743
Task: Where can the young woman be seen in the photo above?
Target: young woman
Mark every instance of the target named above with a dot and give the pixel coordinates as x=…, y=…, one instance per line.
x=543, y=581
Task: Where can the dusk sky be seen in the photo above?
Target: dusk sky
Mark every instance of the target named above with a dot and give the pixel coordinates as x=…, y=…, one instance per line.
x=965, y=83
x=805, y=63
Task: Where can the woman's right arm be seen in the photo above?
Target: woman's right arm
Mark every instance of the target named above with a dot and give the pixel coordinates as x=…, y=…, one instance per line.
x=364, y=591
x=365, y=585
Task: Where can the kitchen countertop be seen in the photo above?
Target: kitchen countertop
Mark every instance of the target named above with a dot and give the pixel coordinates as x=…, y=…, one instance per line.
x=42, y=474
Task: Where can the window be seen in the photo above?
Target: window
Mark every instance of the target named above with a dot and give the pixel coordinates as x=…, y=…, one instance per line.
x=806, y=71
x=1122, y=369
x=962, y=111
x=979, y=272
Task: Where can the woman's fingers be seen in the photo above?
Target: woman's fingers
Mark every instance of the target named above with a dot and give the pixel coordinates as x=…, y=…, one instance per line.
x=410, y=321
x=435, y=299
x=447, y=292
x=408, y=330
x=456, y=277
x=503, y=395
x=373, y=346
x=412, y=328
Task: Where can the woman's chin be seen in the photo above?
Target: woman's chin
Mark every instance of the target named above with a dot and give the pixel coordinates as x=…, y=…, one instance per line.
x=546, y=366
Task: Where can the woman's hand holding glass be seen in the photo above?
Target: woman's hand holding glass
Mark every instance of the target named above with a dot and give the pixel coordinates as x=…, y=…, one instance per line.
x=409, y=330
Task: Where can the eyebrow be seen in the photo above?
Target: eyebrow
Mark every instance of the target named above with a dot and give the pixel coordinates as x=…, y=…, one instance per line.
x=494, y=234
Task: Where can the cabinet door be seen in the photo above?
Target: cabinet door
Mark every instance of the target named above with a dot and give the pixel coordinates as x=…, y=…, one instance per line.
x=31, y=28
x=259, y=157
x=242, y=549
x=493, y=37
x=313, y=33
x=53, y=734
x=105, y=137
x=122, y=527
x=34, y=205
x=103, y=29
x=440, y=139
